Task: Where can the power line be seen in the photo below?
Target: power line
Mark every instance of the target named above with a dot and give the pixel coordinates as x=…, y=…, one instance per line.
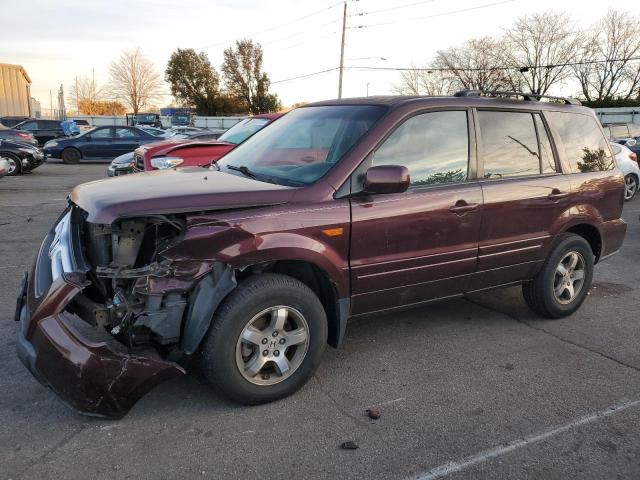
x=306, y=75
x=317, y=12
x=461, y=69
x=522, y=68
x=371, y=12
x=452, y=12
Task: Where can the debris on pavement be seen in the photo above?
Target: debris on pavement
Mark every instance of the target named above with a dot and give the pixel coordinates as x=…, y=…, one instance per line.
x=349, y=445
x=374, y=413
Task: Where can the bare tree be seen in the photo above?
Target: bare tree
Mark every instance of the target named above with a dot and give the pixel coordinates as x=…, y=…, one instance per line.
x=134, y=80
x=478, y=64
x=85, y=91
x=539, y=46
x=614, y=40
x=425, y=81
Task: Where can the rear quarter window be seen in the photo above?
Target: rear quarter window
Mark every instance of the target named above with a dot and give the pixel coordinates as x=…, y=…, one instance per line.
x=585, y=147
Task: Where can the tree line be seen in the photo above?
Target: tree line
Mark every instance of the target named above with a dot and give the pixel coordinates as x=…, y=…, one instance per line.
x=537, y=53
x=135, y=85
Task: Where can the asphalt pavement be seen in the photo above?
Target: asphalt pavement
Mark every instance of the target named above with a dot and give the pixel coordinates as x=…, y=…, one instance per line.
x=469, y=388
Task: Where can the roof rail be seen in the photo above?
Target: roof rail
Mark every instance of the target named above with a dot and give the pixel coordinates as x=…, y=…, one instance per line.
x=531, y=97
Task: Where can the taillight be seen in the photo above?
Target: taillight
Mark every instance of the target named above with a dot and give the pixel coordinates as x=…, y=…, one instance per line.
x=633, y=157
x=24, y=135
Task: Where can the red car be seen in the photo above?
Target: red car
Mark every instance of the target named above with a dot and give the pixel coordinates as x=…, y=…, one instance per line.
x=184, y=152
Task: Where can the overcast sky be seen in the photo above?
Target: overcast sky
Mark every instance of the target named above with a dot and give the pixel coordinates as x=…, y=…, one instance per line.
x=57, y=40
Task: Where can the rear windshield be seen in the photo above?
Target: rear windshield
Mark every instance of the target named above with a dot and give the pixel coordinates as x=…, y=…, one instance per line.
x=303, y=145
x=585, y=146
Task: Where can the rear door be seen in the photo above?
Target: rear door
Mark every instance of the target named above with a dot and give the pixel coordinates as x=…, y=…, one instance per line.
x=524, y=193
x=422, y=244
x=127, y=139
x=99, y=143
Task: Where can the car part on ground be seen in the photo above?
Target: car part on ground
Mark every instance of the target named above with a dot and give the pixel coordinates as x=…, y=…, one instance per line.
x=330, y=213
x=22, y=158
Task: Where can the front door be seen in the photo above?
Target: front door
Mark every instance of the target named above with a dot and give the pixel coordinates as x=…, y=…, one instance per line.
x=422, y=244
x=525, y=195
x=100, y=143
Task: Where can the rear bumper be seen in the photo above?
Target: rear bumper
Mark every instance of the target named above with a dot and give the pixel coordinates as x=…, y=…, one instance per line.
x=87, y=374
x=613, y=233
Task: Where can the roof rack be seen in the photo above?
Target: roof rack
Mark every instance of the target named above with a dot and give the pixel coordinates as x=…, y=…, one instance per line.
x=531, y=97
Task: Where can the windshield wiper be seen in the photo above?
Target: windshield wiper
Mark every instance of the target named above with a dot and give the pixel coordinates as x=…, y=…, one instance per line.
x=243, y=169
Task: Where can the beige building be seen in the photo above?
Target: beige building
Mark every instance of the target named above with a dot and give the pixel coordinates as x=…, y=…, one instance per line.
x=15, y=91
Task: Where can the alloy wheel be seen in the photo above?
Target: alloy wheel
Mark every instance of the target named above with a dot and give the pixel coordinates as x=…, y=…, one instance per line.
x=272, y=345
x=13, y=166
x=569, y=277
x=630, y=187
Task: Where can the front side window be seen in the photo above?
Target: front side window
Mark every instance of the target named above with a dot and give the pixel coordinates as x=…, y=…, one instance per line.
x=29, y=126
x=433, y=146
x=509, y=144
x=585, y=146
x=101, y=133
x=323, y=135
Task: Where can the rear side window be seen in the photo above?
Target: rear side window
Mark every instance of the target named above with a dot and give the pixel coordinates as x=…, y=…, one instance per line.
x=433, y=146
x=585, y=146
x=509, y=144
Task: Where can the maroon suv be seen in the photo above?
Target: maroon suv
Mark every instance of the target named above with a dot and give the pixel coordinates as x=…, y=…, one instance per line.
x=339, y=209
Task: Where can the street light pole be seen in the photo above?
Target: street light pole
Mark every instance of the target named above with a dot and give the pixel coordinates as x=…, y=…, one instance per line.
x=344, y=27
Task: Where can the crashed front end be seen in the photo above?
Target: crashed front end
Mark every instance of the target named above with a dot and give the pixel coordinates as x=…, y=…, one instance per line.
x=105, y=313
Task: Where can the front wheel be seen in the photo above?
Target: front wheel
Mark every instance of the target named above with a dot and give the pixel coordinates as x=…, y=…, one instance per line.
x=630, y=186
x=15, y=166
x=265, y=340
x=562, y=284
x=71, y=155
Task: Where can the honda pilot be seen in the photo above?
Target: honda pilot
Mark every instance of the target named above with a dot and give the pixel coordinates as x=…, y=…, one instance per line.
x=340, y=209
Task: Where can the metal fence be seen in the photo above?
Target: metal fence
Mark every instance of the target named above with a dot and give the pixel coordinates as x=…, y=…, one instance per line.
x=618, y=115
x=223, y=123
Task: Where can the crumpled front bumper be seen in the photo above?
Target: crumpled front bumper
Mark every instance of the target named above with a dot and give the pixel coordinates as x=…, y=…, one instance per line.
x=88, y=375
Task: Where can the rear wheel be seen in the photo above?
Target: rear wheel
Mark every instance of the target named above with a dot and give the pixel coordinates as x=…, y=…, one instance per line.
x=630, y=186
x=564, y=280
x=266, y=339
x=71, y=155
x=15, y=165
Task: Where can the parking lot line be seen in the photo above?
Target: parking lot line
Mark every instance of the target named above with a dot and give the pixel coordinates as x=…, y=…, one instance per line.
x=481, y=457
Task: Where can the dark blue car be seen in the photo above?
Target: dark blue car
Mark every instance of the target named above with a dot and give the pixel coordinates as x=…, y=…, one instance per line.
x=100, y=143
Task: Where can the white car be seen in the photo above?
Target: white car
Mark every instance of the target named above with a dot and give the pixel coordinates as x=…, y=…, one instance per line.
x=627, y=162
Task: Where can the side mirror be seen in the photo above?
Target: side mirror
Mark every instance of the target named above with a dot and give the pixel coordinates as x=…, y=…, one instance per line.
x=387, y=179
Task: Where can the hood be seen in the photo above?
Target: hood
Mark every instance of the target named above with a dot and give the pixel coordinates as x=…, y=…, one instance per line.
x=165, y=146
x=173, y=191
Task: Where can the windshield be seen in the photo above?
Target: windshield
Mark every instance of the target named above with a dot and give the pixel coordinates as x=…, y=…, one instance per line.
x=303, y=145
x=243, y=130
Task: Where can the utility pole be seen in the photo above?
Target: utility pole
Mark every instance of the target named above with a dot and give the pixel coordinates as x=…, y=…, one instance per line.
x=344, y=27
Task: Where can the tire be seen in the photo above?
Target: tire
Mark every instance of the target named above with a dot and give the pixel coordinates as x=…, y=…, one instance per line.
x=540, y=294
x=15, y=165
x=224, y=356
x=71, y=155
x=630, y=186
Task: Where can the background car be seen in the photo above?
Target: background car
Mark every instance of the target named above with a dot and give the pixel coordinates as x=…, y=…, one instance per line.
x=100, y=143
x=11, y=121
x=4, y=166
x=189, y=152
x=121, y=165
x=627, y=134
x=158, y=132
x=21, y=157
x=205, y=134
x=14, y=135
x=627, y=162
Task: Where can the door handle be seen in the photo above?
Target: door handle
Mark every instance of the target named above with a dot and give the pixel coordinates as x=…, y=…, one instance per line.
x=557, y=195
x=461, y=207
